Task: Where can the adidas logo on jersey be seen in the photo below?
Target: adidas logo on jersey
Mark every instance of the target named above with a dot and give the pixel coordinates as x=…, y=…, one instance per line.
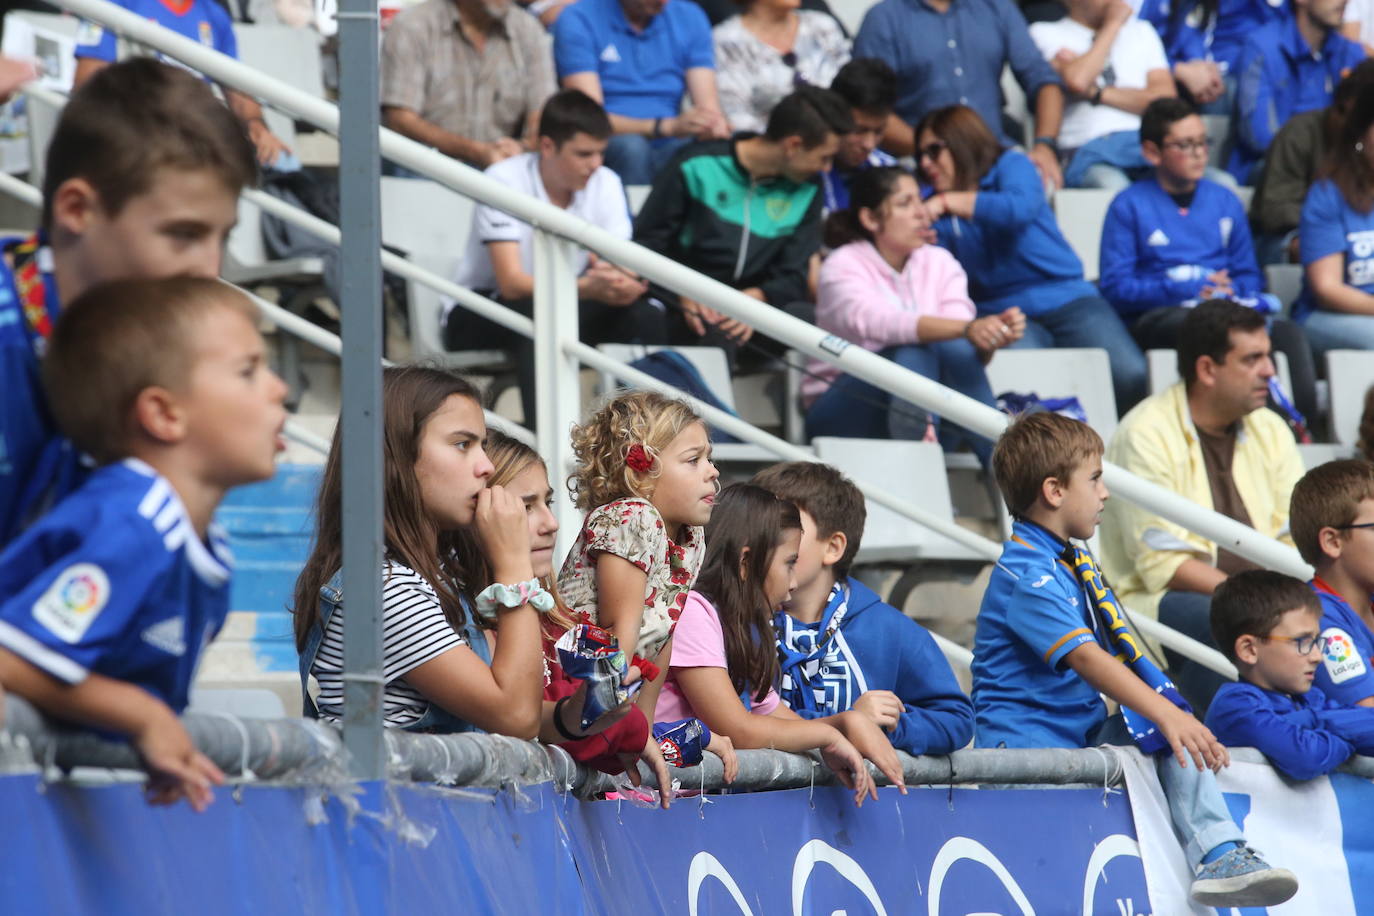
x=169, y=636
x=1157, y=238
x=610, y=55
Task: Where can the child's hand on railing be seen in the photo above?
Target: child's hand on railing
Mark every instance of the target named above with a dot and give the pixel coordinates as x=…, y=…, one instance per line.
x=724, y=748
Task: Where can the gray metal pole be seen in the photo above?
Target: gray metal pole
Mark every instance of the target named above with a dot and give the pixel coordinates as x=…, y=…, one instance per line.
x=361, y=411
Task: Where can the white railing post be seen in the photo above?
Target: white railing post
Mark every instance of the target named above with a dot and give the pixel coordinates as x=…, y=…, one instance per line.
x=557, y=390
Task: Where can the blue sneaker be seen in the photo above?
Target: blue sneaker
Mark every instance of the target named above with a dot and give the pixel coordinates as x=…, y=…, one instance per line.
x=1242, y=878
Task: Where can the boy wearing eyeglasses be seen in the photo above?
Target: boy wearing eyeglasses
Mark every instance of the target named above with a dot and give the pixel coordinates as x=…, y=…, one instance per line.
x=1270, y=626
x=1332, y=523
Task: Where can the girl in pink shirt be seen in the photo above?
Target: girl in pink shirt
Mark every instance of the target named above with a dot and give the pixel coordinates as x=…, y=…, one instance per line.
x=886, y=290
x=725, y=660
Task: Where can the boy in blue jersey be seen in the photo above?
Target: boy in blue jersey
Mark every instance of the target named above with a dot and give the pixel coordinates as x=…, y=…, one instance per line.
x=840, y=646
x=203, y=21
x=1332, y=522
x=1269, y=625
x=1051, y=638
x=107, y=601
x=143, y=175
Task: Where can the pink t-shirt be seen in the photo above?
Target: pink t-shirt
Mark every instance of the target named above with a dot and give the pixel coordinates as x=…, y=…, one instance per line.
x=698, y=642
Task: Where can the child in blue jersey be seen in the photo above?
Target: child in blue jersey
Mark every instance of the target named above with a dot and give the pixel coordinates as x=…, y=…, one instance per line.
x=143, y=175
x=1177, y=238
x=1332, y=522
x=203, y=21
x=839, y=645
x=107, y=602
x=1269, y=625
x=1051, y=637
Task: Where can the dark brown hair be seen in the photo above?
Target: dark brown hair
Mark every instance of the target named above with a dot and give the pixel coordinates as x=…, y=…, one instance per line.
x=118, y=339
x=869, y=191
x=1252, y=603
x=448, y=561
x=826, y=495
x=750, y=518
x=135, y=119
x=1347, y=166
x=1327, y=497
x=1365, y=445
x=973, y=146
x=1037, y=446
x=1206, y=331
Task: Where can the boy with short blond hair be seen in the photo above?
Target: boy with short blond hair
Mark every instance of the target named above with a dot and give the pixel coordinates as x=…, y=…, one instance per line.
x=1051, y=637
x=1269, y=626
x=143, y=175
x=840, y=646
x=1331, y=519
x=107, y=601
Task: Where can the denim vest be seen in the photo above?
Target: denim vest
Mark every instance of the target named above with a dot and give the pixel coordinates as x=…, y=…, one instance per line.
x=435, y=719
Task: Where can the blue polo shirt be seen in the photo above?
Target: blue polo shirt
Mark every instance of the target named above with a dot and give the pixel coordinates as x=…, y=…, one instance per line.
x=1034, y=613
x=204, y=21
x=955, y=57
x=1346, y=673
x=643, y=74
x=1330, y=226
x=1278, y=76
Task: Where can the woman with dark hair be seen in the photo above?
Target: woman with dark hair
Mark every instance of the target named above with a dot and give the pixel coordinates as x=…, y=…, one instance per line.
x=885, y=289
x=1336, y=237
x=990, y=210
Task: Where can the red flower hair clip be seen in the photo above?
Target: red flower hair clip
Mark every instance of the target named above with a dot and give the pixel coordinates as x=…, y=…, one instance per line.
x=637, y=458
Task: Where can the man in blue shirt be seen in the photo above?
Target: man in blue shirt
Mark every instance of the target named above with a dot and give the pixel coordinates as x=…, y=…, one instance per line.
x=870, y=88
x=1290, y=66
x=951, y=52
x=637, y=58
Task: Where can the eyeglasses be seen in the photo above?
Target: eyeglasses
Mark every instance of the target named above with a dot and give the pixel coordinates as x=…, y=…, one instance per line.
x=1304, y=644
x=1353, y=527
x=1188, y=146
x=931, y=151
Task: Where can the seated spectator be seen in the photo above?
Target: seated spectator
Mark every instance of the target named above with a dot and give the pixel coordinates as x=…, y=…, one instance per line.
x=1112, y=65
x=1291, y=166
x=1289, y=66
x=841, y=647
x=108, y=600
x=203, y=21
x=948, y=52
x=991, y=212
x=466, y=77
x=1336, y=239
x=870, y=88
x=1330, y=513
x=142, y=146
x=566, y=171
x=1187, y=30
x=1176, y=239
x=768, y=50
x=696, y=214
x=638, y=58
x=885, y=289
x=1269, y=626
x=1208, y=439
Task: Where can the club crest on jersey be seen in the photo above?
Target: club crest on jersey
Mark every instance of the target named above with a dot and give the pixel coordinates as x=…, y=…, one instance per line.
x=207, y=35
x=74, y=600
x=1341, y=658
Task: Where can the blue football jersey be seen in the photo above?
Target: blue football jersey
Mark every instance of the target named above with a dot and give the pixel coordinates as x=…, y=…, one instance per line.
x=203, y=21
x=115, y=581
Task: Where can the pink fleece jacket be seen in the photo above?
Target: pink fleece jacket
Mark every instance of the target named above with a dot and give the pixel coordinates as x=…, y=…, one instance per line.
x=865, y=301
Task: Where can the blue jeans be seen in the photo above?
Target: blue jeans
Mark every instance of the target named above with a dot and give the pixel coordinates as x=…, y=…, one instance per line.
x=1196, y=806
x=1339, y=331
x=854, y=409
x=1092, y=322
x=637, y=159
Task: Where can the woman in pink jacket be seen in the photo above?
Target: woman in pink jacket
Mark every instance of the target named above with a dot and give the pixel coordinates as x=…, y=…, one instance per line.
x=885, y=289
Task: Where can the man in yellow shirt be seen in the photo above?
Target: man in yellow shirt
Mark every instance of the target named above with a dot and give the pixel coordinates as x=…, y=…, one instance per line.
x=1207, y=439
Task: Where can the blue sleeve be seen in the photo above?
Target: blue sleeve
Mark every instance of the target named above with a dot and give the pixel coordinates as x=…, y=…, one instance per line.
x=1029, y=66
x=1321, y=231
x=1016, y=198
x=1353, y=723
x=1345, y=674
x=1123, y=282
x=1241, y=264
x=875, y=38
x=92, y=581
x=1240, y=716
x=1047, y=617
x=938, y=717
x=574, y=45
x=96, y=42
x=226, y=42
x=700, y=48
x=1257, y=115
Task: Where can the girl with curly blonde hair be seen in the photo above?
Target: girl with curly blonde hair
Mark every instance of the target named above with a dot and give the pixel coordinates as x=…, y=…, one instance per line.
x=646, y=481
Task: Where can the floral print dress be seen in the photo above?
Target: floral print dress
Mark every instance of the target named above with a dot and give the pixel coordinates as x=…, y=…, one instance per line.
x=632, y=529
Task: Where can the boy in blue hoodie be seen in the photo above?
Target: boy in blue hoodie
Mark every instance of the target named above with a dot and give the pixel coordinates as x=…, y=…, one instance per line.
x=1269, y=625
x=840, y=646
x=1051, y=642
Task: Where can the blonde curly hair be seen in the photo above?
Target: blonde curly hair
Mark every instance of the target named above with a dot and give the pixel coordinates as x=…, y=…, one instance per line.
x=601, y=444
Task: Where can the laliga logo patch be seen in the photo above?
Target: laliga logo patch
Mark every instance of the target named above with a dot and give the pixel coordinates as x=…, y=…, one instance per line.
x=207, y=35
x=73, y=601
x=1342, y=661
